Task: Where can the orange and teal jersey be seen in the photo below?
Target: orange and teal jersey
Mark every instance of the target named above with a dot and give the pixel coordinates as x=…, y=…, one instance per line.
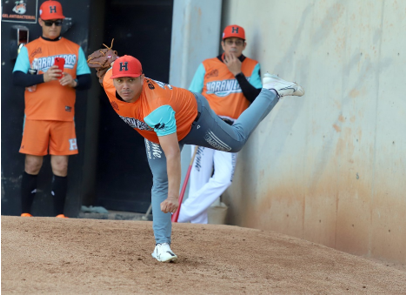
x=221, y=89
x=51, y=100
x=160, y=110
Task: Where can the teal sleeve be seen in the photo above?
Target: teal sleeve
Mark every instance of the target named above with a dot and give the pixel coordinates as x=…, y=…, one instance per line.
x=198, y=80
x=162, y=120
x=82, y=67
x=23, y=62
x=255, y=79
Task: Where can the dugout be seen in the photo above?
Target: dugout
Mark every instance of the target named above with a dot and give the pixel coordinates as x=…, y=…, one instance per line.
x=111, y=169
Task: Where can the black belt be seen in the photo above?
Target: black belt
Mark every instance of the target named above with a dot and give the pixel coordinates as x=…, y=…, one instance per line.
x=197, y=117
x=228, y=121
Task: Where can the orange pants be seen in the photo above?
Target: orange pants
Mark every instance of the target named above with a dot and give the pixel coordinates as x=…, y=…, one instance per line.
x=57, y=136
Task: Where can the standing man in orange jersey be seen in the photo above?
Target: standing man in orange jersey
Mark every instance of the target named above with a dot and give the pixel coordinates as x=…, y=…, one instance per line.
x=49, y=104
x=229, y=82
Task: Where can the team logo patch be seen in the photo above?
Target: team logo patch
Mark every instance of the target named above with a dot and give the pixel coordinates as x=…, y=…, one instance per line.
x=159, y=126
x=36, y=51
x=123, y=66
x=20, y=7
x=73, y=144
x=213, y=73
x=150, y=85
x=52, y=9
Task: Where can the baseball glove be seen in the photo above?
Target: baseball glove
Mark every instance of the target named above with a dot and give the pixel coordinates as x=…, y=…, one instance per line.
x=101, y=60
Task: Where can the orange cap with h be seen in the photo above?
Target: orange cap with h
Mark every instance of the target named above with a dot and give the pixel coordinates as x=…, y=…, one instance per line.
x=234, y=31
x=126, y=66
x=51, y=9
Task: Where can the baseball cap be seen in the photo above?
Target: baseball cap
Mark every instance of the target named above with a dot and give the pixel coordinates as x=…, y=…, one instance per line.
x=126, y=66
x=234, y=31
x=51, y=9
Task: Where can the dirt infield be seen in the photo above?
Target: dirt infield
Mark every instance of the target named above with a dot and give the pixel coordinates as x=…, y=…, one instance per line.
x=87, y=256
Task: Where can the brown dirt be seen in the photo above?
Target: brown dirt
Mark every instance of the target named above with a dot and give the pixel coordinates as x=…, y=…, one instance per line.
x=86, y=256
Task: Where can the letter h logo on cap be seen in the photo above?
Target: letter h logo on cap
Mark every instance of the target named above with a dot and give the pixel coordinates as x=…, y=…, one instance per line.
x=234, y=31
x=123, y=65
x=126, y=66
x=51, y=9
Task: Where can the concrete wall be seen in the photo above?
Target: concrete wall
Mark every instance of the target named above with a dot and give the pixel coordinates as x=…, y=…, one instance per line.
x=196, y=35
x=329, y=167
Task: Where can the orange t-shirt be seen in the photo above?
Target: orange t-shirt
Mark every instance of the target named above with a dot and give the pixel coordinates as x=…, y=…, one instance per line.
x=154, y=94
x=222, y=90
x=51, y=101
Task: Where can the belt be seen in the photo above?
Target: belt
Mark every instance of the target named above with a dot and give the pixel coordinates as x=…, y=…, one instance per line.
x=197, y=117
x=228, y=121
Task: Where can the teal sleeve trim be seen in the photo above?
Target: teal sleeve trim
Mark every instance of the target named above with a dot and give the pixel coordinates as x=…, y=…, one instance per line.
x=162, y=120
x=198, y=80
x=23, y=62
x=82, y=67
x=255, y=79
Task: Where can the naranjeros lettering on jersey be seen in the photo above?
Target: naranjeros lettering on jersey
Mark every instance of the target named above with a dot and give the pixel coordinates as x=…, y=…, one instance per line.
x=221, y=88
x=44, y=63
x=224, y=87
x=137, y=124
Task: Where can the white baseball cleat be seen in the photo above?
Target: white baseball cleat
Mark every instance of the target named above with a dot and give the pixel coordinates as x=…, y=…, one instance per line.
x=282, y=87
x=163, y=253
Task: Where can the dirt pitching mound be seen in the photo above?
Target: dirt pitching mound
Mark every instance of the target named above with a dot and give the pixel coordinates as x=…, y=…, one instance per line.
x=86, y=256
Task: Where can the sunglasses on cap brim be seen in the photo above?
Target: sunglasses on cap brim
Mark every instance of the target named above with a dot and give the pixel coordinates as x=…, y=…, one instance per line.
x=57, y=22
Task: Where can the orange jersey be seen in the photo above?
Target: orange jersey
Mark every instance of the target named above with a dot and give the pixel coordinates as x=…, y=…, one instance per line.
x=51, y=101
x=221, y=89
x=154, y=95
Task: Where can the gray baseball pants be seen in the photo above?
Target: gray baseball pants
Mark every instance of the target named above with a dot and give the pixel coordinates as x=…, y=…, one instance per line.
x=208, y=130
